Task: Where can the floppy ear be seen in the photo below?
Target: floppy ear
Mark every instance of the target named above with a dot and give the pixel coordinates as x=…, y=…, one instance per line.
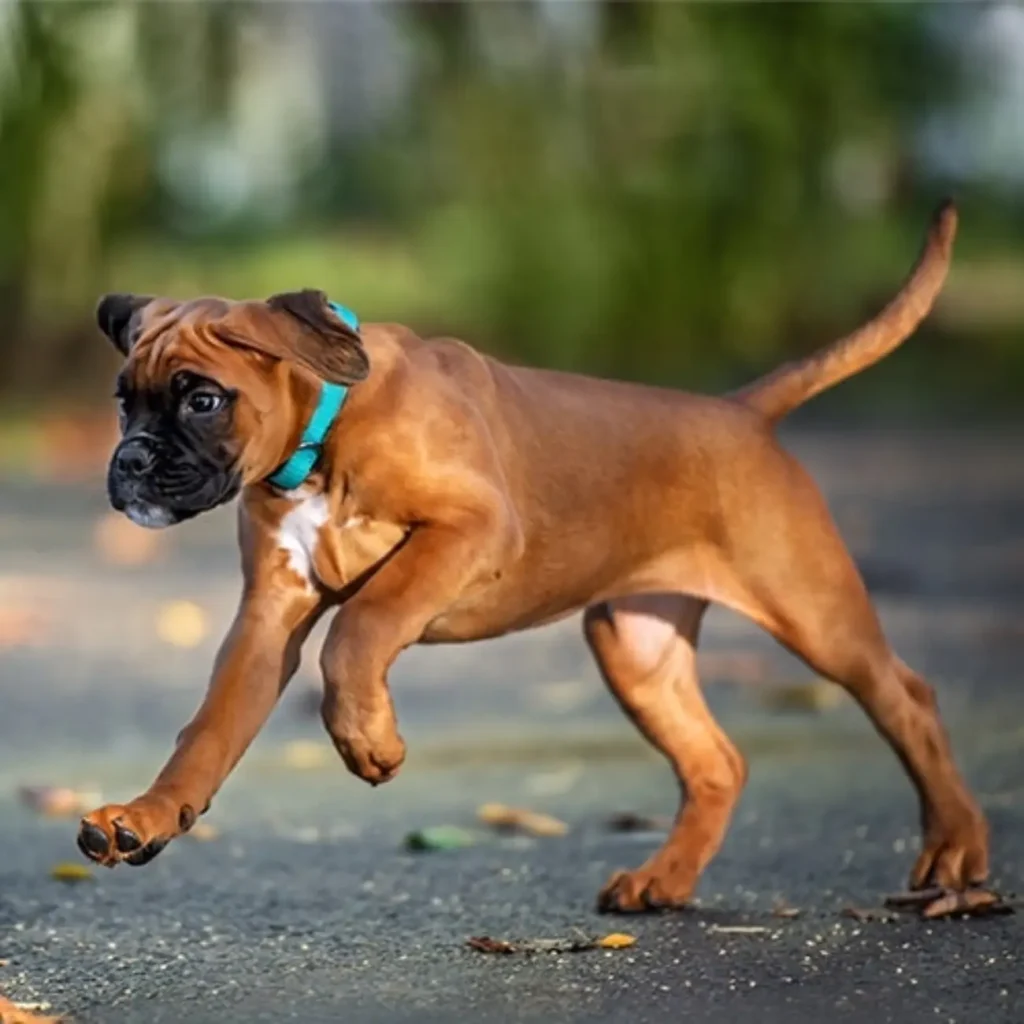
x=318, y=339
x=115, y=314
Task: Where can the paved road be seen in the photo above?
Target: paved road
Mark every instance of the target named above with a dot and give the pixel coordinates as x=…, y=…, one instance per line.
x=308, y=909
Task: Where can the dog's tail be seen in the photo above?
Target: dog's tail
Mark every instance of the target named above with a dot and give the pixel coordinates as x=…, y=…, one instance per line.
x=780, y=392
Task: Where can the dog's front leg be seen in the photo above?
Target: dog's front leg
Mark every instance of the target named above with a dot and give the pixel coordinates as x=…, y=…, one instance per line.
x=415, y=586
x=258, y=657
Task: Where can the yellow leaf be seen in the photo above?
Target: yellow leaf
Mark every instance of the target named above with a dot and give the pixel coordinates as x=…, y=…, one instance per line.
x=71, y=873
x=617, y=940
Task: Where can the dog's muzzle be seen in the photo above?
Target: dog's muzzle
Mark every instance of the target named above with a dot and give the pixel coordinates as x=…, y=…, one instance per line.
x=156, y=488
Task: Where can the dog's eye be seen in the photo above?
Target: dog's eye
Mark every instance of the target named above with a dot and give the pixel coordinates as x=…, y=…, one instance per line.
x=202, y=403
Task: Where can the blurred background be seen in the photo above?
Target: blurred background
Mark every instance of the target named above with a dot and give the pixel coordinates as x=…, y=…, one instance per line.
x=680, y=193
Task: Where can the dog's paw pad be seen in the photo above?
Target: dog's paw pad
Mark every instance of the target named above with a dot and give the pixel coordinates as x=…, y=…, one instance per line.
x=146, y=854
x=127, y=841
x=92, y=841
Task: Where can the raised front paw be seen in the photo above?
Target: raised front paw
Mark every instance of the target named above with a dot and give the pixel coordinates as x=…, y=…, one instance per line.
x=373, y=759
x=133, y=833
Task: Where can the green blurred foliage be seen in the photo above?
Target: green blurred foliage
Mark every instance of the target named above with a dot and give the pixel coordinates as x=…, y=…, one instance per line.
x=682, y=193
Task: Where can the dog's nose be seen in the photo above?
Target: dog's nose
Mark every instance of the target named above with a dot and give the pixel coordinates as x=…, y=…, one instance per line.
x=133, y=459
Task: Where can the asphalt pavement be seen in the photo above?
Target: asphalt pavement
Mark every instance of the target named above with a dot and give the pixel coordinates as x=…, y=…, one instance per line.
x=307, y=906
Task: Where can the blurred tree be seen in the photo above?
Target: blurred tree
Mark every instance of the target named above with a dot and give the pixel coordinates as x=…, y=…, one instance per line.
x=678, y=192
x=81, y=87
x=681, y=185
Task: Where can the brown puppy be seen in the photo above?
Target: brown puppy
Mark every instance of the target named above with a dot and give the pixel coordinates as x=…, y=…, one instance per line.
x=458, y=498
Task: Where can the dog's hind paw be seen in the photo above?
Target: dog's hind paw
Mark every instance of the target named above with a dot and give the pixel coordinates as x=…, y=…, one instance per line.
x=372, y=763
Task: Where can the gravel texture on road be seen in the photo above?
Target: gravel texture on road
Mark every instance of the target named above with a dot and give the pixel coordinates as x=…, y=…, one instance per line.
x=307, y=907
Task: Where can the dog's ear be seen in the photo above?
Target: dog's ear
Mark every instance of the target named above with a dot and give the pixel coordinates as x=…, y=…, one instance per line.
x=318, y=339
x=115, y=315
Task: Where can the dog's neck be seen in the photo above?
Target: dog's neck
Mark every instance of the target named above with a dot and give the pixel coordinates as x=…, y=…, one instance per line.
x=307, y=453
x=305, y=456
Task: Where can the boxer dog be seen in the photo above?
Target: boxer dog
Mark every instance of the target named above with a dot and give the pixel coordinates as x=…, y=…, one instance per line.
x=424, y=493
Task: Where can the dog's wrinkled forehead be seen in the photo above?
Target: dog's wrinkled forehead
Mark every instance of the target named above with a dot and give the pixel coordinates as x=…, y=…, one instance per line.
x=166, y=337
x=159, y=336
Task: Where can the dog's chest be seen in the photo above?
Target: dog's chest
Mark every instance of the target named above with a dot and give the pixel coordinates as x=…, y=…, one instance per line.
x=331, y=547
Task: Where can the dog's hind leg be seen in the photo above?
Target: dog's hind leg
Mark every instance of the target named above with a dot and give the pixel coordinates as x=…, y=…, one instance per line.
x=803, y=586
x=645, y=647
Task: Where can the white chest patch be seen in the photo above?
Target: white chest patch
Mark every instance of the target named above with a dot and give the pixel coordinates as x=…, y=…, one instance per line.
x=298, y=533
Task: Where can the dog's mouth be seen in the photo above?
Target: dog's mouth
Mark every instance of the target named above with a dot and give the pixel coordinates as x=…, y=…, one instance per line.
x=164, y=496
x=153, y=517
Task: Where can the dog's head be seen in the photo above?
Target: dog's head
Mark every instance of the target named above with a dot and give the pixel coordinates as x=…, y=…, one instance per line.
x=213, y=394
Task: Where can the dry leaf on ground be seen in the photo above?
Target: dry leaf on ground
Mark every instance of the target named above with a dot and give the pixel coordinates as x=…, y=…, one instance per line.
x=71, y=873
x=121, y=542
x=181, y=623
x=913, y=899
x=784, y=910
x=517, y=819
x=973, y=903
x=24, y=1013
x=486, y=944
x=937, y=903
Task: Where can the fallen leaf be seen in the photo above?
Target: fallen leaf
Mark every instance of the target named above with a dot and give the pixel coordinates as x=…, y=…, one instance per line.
x=816, y=696
x=24, y=1013
x=303, y=754
x=516, y=819
x=785, y=911
x=865, y=914
x=439, y=837
x=627, y=821
x=181, y=623
x=972, y=903
x=914, y=898
x=71, y=873
x=738, y=929
x=121, y=542
x=58, y=801
x=486, y=944
x=203, y=832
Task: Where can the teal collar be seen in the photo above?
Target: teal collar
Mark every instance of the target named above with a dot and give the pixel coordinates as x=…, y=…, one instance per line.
x=296, y=468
